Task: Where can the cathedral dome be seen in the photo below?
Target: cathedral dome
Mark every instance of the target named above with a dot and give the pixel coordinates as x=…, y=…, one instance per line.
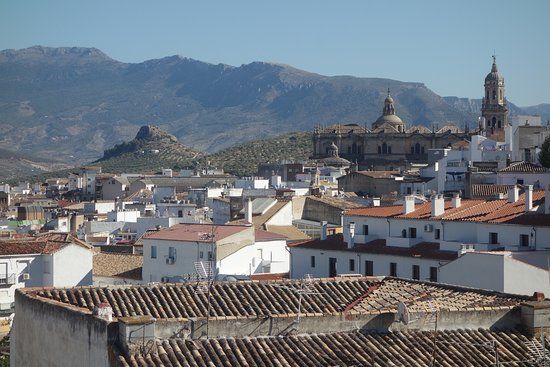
x=389, y=116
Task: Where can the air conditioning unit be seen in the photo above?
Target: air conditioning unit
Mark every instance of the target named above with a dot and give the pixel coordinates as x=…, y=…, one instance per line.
x=170, y=260
x=25, y=276
x=428, y=228
x=165, y=279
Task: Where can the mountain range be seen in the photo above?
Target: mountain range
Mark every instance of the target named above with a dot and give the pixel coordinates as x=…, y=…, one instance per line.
x=72, y=103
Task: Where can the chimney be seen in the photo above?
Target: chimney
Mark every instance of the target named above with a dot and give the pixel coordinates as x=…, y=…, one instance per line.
x=103, y=311
x=351, y=241
x=323, y=230
x=513, y=194
x=528, y=198
x=456, y=200
x=438, y=205
x=408, y=205
x=248, y=211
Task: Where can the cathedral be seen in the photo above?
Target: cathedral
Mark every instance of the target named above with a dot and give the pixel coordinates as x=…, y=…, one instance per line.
x=390, y=143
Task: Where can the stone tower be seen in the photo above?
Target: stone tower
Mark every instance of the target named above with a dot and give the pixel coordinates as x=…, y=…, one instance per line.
x=494, y=107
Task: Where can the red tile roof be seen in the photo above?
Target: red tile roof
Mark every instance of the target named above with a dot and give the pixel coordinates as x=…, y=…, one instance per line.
x=427, y=250
x=476, y=210
x=488, y=190
x=47, y=243
x=264, y=236
x=195, y=232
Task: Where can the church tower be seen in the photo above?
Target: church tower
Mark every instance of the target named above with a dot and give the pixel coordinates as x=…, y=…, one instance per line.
x=494, y=107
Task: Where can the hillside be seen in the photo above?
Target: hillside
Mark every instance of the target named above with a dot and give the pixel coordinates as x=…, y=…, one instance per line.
x=15, y=164
x=74, y=103
x=243, y=159
x=151, y=150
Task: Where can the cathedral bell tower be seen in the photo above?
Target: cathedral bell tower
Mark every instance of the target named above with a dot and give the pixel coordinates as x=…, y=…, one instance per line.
x=494, y=106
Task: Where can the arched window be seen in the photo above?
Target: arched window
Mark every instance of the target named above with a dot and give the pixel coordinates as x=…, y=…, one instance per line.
x=389, y=149
x=417, y=148
x=422, y=150
x=379, y=150
x=499, y=124
x=384, y=148
x=494, y=94
x=404, y=233
x=487, y=94
x=494, y=122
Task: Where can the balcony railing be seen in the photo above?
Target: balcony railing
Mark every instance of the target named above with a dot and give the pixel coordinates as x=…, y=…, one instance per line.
x=8, y=279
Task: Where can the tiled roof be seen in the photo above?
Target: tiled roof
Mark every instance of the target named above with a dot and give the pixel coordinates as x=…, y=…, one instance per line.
x=457, y=348
x=427, y=250
x=524, y=167
x=488, y=190
x=376, y=174
x=47, y=243
x=195, y=232
x=254, y=299
x=118, y=265
x=476, y=210
x=263, y=236
x=290, y=232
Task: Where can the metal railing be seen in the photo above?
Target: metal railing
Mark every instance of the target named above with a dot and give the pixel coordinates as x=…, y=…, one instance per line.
x=8, y=279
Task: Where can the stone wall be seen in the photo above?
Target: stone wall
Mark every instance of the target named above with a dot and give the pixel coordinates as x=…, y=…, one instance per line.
x=45, y=334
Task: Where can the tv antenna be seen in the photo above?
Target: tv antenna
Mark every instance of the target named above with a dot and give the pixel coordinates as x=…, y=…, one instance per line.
x=306, y=288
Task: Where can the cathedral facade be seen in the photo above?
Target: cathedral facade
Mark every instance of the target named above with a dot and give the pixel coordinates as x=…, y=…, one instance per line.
x=390, y=143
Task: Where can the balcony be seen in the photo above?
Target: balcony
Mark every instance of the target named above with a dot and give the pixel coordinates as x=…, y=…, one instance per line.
x=8, y=279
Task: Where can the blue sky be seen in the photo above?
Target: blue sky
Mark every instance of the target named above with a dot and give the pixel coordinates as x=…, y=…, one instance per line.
x=445, y=44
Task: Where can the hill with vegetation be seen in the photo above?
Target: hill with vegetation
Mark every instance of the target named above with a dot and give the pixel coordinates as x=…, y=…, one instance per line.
x=73, y=103
x=15, y=164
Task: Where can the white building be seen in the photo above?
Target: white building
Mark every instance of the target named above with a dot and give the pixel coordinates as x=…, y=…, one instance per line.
x=50, y=260
x=236, y=250
x=414, y=241
x=522, y=272
x=524, y=173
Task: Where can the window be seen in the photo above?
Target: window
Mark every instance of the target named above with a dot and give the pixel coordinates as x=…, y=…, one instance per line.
x=493, y=238
x=312, y=261
x=180, y=213
x=433, y=273
x=366, y=230
x=153, y=252
x=393, y=269
x=412, y=232
x=172, y=252
x=404, y=233
x=201, y=254
x=437, y=233
x=369, y=268
x=384, y=148
x=519, y=181
x=416, y=272
x=524, y=240
x=351, y=265
x=210, y=256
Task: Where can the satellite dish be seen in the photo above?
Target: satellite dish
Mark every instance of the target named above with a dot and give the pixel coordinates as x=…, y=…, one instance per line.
x=403, y=313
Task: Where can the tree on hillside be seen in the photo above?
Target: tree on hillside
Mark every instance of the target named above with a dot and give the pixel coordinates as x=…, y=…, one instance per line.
x=544, y=155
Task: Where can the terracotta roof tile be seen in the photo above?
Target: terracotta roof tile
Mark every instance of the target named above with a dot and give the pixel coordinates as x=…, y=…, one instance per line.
x=428, y=250
x=118, y=265
x=195, y=232
x=256, y=299
x=487, y=190
x=524, y=167
x=457, y=348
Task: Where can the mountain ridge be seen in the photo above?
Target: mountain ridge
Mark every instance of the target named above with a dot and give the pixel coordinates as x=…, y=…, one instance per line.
x=73, y=103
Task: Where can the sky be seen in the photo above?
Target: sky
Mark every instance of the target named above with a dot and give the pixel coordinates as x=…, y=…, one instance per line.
x=445, y=44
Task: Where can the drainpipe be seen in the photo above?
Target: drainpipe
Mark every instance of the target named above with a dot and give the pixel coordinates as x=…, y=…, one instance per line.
x=389, y=233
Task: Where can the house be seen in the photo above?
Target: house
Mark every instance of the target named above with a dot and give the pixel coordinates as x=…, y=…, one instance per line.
x=49, y=260
x=235, y=250
x=416, y=241
x=372, y=183
x=346, y=322
x=518, y=272
x=115, y=187
x=525, y=137
x=524, y=173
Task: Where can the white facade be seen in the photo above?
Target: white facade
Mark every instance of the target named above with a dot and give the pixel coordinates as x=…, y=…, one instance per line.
x=497, y=271
x=234, y=255
x=252, y=183
x=68, y=267
x=123, y=216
